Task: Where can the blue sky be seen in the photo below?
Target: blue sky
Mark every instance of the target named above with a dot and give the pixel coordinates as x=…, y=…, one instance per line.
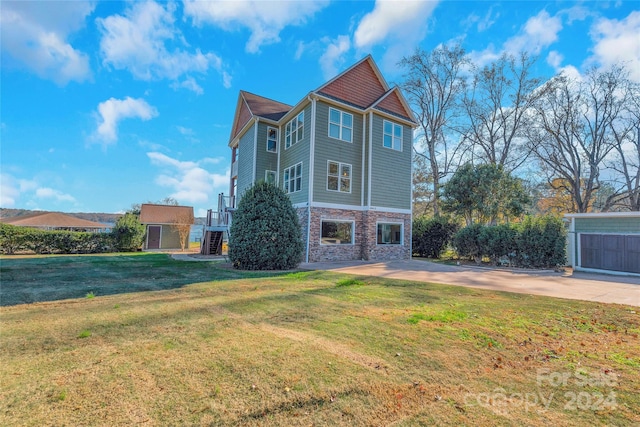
x=107, y=104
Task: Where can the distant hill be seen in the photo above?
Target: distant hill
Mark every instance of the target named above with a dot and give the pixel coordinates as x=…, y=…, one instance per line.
x=104, y=218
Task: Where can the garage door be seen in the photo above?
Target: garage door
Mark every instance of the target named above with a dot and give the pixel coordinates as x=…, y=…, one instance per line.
x=615, y=252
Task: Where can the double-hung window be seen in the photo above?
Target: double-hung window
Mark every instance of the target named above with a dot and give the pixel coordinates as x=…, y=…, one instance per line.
x=294, y=131
x=336, y=232
x=392, y=135
x=339, y=177
x=272, y=139
x=293, y=178
x=389, y=234
x=340, y=125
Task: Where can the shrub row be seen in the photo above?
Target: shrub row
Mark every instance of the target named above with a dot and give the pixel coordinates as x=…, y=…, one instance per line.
x=536, y=242
x=430, y=236
x=15, y=239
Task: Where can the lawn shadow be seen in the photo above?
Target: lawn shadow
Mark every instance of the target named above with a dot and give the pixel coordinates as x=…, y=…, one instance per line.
x=53, y=278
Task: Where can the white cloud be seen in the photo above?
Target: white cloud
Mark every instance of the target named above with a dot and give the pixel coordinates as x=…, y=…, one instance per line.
x=400, y=25
x=332, y=58
x=113, y=110
x=13, y=190
x=185, y=131
x=9, y=191
x=190, y=84
x=554, y=58
x=146, y=42
x=189, y=181
x=618, y=41
x=540, y=31
x=50, y=193
x=36, y=36
x=264, y=19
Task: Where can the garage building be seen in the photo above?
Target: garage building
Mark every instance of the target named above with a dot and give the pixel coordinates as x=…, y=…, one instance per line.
x=604, y=242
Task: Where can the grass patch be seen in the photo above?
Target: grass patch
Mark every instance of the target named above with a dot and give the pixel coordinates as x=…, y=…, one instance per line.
x=349, y=282
x=90, y=295
x=446, y=316
x=633, y=362
x=52, y=278
x=238, y=348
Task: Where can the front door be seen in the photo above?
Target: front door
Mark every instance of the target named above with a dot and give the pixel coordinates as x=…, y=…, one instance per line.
x=153, y=237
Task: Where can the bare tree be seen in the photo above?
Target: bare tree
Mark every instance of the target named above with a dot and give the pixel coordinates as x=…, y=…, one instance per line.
x=434, y=84
x=572, y=135
x=626, y=142
x=182, y=224
x=497, y=107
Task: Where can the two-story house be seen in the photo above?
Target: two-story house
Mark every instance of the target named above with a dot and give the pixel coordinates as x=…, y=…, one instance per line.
x=343, y=154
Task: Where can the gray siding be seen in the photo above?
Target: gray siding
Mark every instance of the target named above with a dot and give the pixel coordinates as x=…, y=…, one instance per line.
x=245, y=161
x=391, y=169
x=607, y=225
x=336, y=150
x=298, y=152
x=265, y=160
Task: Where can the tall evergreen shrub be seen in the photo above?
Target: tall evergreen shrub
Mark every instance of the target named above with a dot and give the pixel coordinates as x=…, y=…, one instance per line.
x=265, y=231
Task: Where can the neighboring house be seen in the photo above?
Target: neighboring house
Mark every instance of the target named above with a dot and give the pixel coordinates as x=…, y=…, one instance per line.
x=343, y=154
x=56, y=221
x=162, y=223
x=607, y=242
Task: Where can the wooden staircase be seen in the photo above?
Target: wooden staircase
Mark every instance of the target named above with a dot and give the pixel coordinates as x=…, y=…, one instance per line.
x=212, y=244
x=218, y=224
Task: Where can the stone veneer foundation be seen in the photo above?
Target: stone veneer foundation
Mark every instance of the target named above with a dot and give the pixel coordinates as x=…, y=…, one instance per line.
x=365, y=245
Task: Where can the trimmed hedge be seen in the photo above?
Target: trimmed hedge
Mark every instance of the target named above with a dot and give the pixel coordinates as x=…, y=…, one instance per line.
x=536, y=242
x=15, y=239
x=430, y=236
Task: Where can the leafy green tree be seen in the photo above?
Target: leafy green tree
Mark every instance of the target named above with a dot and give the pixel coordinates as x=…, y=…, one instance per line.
x=265, y=232
x=128, y=234
x=484, y=194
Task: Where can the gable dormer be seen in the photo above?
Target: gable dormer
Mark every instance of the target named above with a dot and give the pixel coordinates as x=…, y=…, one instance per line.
x=360, y=85
x=250, y=105
x=394, y=103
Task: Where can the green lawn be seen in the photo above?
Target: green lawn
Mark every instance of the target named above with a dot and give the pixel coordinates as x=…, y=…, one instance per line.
x=49, y=278
x=220, y=347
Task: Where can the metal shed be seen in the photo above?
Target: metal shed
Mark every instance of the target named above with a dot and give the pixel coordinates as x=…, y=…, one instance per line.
x=604, y=242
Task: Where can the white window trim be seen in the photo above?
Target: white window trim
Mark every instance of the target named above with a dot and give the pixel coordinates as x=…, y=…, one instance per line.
x=353, y=231
x=275, y=174
x=401, y=224
x=340, y=164
x=286, y=182
x=340, y=125
x=298, y=132
x=267, y=141
x=392, y=135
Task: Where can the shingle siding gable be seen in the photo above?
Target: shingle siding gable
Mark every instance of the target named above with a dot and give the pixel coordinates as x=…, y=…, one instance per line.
x=244, y=115
x=393, y=105
x=360, y=86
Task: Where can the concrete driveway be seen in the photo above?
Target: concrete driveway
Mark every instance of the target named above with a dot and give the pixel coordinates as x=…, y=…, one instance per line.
x=578, y=285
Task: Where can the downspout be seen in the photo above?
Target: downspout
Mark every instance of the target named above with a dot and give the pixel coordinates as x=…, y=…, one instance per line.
x=279, y=151
x=312, y=144
x=369, y=191
x=370, y=158
x=255, y=150
x=364, y=154
x=411, y=203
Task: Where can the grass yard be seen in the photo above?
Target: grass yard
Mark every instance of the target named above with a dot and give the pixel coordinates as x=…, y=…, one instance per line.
x=220, y=347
